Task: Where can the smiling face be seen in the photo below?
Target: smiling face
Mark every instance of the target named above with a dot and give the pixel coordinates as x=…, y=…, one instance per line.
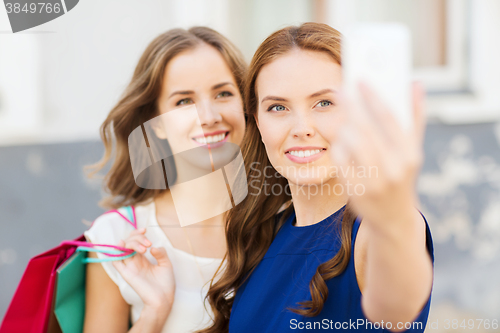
x=201, y=78
x=297, y=116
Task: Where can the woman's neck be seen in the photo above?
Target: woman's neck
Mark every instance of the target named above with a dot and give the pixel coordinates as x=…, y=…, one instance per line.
x=315, y=203
x=166, y=214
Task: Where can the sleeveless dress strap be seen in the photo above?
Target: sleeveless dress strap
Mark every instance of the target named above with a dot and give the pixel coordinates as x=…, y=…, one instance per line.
x=129, y=211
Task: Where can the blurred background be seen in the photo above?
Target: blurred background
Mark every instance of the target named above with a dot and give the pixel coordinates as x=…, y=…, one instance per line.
x=59, y=80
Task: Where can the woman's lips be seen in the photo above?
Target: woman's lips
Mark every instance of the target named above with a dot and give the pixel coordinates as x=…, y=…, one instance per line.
x=314, y=155
x=212, y=144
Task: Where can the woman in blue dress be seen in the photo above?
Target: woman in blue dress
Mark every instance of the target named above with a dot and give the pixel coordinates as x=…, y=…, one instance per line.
x=350, y=251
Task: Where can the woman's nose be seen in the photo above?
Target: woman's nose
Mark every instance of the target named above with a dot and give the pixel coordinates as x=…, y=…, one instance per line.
x=209, y=115
x=303, y=126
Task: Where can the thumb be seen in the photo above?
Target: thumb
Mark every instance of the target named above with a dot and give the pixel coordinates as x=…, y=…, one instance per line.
x=160, y=254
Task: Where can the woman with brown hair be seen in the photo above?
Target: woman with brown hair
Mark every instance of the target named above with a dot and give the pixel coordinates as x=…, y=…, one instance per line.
x=350, y=251
x=196, y=75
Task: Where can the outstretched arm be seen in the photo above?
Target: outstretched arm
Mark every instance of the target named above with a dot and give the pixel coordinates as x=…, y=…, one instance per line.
x=396, y=270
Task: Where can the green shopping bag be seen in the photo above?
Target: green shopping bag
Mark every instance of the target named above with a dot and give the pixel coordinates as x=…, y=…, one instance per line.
x=69, y=295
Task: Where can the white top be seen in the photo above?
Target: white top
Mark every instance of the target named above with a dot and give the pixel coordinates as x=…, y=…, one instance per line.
x=188, y=312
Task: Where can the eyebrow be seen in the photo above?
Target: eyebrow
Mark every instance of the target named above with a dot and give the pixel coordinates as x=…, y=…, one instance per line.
x=189, y=92
x=273, y=98
x=220, y=85
x=281, y=99
x=322, y=92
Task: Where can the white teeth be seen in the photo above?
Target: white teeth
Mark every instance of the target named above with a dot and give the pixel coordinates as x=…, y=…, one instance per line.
x=211, y=139
x=304, y=153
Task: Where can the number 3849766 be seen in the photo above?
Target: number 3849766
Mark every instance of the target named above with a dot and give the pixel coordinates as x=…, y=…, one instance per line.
x=34, y=7
x=471, y=324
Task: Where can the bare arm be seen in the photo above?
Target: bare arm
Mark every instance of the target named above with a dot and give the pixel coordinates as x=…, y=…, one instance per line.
x=398, y=270
x=396, y=276
x=105, y=309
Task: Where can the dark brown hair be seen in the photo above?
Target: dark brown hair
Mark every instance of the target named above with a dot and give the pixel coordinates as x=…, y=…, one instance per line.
x=252, y=224
x=138, y=104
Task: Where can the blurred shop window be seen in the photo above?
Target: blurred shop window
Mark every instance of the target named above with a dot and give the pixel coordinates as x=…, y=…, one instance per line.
x=20, y=96
x=439, y=34
x=251, y=21
x=440, y=30
x=426, y=19
x=455, y=49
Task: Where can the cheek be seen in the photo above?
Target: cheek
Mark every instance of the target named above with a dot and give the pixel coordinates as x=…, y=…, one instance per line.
x=328, y=126
x=234, y=116
x=273, y=135
x=179, y=127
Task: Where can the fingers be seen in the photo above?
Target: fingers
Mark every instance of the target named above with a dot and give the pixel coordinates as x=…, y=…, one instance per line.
x=359, y=141
x=140, y=231
x=137, y=241
x=161, y=256
x=119, y=265
x=419, y=117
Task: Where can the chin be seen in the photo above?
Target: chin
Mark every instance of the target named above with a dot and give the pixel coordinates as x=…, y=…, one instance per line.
x=308, y=181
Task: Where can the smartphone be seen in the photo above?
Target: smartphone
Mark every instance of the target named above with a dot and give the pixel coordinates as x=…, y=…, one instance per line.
x=380, y=55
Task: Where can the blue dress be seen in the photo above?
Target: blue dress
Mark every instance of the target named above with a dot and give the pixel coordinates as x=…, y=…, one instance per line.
x=281, y=280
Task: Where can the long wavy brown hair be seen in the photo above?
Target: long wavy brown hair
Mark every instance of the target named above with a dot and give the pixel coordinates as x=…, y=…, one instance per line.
x=138, y=104
x=252, y=224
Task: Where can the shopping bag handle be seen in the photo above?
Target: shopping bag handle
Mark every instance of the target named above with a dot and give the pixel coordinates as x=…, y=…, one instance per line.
x=115, y=254
x=130, y=211
x=119, y=253
x=109, y=253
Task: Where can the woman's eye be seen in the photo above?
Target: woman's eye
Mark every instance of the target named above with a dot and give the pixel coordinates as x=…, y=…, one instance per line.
x=324, y=103
x=276, y=108
x=184, y=101
x=224, y=94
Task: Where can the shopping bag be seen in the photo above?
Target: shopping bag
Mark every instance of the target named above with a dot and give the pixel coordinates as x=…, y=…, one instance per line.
x=32, y=306
x=69, y=299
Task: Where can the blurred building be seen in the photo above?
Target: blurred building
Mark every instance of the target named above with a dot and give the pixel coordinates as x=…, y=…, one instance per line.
x=59, y=80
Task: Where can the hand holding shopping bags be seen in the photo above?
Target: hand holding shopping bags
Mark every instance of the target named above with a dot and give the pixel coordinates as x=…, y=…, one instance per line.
x=155, y=284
